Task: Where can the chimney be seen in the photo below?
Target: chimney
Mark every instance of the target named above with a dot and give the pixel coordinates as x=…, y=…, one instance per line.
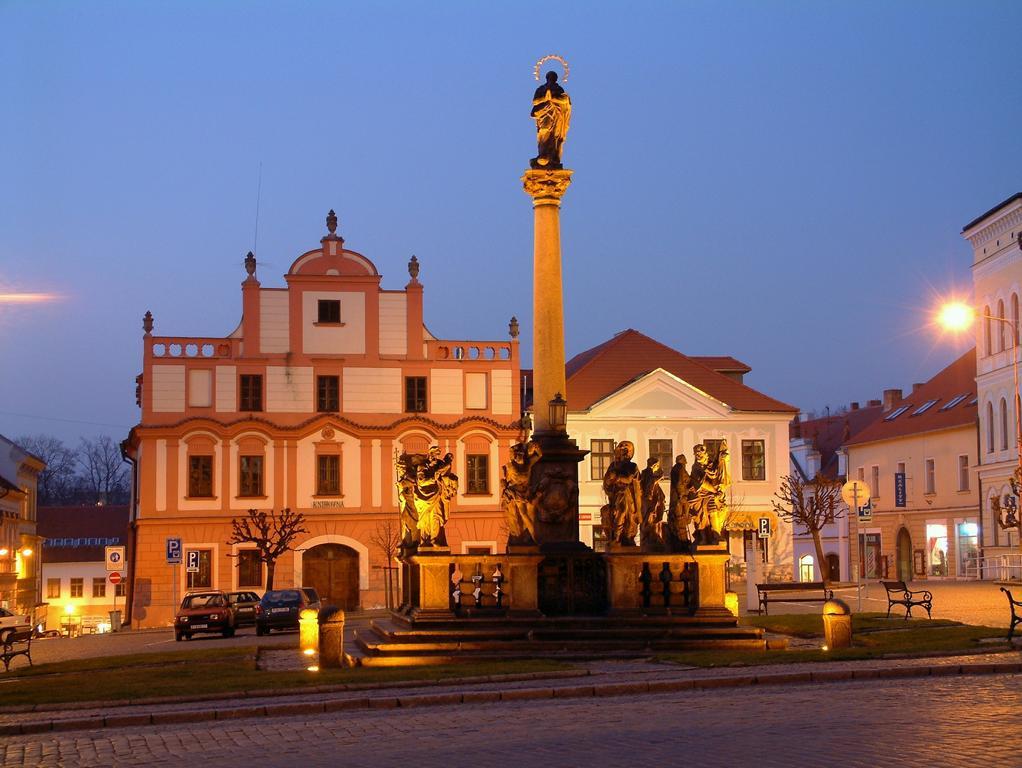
x=855, y=406
x=872, y=403
x=916, y=386
x=891, y=396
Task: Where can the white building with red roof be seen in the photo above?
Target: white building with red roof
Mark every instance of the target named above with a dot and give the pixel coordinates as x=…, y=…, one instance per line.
x=634, y=388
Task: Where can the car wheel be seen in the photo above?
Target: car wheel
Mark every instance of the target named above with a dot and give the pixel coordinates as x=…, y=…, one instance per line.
x=260, y=631
x=229, y=632
x=177, y=636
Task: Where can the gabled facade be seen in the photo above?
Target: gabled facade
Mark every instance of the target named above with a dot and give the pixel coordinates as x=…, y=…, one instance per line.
x=932, y=529
x=19, y=541
x=305, y=405
x=996, y=240
x=635, y=388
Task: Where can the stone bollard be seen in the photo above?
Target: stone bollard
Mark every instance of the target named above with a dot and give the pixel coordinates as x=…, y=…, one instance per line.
x=331, y=637
x=837, y=624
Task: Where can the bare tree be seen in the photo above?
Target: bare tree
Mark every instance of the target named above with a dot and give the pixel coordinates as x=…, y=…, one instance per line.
x=811, y=504
x=56, y=482
x=102, y=473
x=271, y=533
x=387, y=539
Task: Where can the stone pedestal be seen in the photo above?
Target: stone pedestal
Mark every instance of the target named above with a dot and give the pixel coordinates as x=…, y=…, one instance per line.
x=554, y=481
x=431, y=595
x=677, y=584
x=712, y=581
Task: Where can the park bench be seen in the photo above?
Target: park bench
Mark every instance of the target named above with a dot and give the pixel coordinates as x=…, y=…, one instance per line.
x=1015, y=618
x=784, y=589
x=898, y=593
x=16, y=643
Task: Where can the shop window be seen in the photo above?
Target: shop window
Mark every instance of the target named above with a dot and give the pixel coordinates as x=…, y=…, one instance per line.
x=250, y=569
x=936, y=546
x=328, y=475
x=968, y=549
x=77, y=587
x=251, y=386
x=415, y=394
x=52, y=589
x=203, y=578
x=328, y=394
x=478, y=480
x=601, y=454
x=200, y=476
x=250, y=476
x=99, y=587
x=753, y=460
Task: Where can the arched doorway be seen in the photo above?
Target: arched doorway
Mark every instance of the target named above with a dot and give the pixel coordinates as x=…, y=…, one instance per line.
x=904, y=556
x=807, y=568
x=332, y=570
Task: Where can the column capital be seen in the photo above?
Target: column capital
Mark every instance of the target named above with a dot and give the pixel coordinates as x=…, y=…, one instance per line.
x=546, y=187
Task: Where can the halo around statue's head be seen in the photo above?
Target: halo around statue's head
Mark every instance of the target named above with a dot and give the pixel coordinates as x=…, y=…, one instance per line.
x=552, y=57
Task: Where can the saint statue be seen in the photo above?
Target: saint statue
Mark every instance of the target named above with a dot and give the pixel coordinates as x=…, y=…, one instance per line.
x=425, y=487
x=620, y=515
x=653, y=504
x=678, y=517
x=516, y=500
x=707, y=492
x=551, y=109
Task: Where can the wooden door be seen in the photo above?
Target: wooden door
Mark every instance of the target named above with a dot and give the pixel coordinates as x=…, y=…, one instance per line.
x=332, y=570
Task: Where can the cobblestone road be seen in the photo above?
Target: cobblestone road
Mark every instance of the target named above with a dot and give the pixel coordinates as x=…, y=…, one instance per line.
x=912, y=722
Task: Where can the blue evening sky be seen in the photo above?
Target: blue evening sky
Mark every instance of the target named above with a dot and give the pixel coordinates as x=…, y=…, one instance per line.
x=784, y=182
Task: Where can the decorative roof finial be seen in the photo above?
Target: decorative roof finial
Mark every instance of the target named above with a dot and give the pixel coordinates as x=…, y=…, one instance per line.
x=250, y=264
x=331, y=222
x=413, y=268
x=512, y=327
x=147, y=323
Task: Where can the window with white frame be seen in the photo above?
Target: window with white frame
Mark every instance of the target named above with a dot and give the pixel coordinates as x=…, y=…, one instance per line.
x=990, y=427
x=963, y=472
x=930, y=474
x=1004, y=424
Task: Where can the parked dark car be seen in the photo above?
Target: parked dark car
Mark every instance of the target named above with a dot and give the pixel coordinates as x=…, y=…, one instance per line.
x=244, y=604
x=204, y=612
x=280, y=608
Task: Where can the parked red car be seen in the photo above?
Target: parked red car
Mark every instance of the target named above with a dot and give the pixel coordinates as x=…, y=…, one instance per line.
x=204, y=612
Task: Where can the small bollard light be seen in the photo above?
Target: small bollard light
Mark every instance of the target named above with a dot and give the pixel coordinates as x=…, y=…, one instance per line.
x=837, y=624
x=331, y=649
x=308, y=636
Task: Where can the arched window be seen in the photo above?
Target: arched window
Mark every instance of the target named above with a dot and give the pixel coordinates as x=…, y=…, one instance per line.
x=806, y=569
x=1000, y=326
x=987, y=340
x=1014, y=316
x=990, y=427
x=1004, y=424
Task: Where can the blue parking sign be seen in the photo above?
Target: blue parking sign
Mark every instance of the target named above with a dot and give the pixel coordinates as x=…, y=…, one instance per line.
x=174, y=551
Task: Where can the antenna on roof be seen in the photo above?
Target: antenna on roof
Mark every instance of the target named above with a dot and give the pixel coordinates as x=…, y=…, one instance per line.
x=259, y=189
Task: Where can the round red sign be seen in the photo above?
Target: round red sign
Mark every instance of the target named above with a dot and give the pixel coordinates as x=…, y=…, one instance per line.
x=115, y=578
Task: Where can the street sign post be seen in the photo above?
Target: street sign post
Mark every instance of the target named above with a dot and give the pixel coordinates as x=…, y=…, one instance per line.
x=866, y=512
x=173, y=551
x=115, y=578
x=193, y=561
x=852, y=493
x=114, y=558
x=764, y=527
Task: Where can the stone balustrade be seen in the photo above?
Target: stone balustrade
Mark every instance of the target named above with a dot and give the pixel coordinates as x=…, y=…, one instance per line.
x=189, y=347
x=469, y=351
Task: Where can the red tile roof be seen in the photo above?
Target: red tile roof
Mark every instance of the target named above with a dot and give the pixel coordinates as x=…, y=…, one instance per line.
x=67, y=531
x=599, y=372
x=959, y=378
x=722, y=363
x=829, y=433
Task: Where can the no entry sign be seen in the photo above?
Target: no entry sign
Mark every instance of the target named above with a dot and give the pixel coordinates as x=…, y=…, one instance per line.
x=115, y=578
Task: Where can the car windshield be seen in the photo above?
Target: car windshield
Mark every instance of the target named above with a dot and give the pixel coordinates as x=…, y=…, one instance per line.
x=243, y=597
x=202, y=601
x=5, y=612
x=283, y=597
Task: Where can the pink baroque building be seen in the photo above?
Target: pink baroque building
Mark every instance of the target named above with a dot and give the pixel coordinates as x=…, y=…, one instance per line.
x=305, y=405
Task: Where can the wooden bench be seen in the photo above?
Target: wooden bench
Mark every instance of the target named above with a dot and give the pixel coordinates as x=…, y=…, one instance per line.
x=16, y=643
x=1015, y=618
x=898, y=593
x=784, y=588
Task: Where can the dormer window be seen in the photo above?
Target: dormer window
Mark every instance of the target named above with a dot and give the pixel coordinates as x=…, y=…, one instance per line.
x=329, y=311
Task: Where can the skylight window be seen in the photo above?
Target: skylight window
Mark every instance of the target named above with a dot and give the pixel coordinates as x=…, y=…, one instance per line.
x=896, y=413
x=953, y=402
x=925, y=407
x=974, y=400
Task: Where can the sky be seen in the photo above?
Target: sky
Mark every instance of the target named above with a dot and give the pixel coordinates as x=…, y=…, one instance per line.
x=783, y=182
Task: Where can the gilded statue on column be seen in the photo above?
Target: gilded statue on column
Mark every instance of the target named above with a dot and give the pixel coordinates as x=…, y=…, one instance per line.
x=426, y=485
x=517, y=499
x=620, y=515
x=551, y=109
x=708, y=485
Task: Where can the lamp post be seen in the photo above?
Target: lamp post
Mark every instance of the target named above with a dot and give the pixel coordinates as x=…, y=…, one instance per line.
x=956, y=316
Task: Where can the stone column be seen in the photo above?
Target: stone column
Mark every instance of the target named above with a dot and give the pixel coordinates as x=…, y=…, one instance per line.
x=546, y=189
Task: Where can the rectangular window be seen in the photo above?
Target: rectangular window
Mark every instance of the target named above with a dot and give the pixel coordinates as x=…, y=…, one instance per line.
x=753, y=460
x=712, y=449
x=963, y=472
x=601, y=454
x=874, y=479
x=328, y=394
x=250, y=479
x=250, y=569
x=121, y=590
x=930, y=472
x=77, y=587
x=52, y=589
x=861, y=473
x=329, y=311
x=478, y=466
x=203, y=578
x=328, y=475
x=200, y=476
x=415, y=394
x=662, y=451
x=251, y=392
x=99, y=587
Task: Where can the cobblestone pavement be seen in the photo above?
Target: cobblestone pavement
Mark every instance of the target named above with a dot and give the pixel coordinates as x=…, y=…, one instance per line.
x=912, y=722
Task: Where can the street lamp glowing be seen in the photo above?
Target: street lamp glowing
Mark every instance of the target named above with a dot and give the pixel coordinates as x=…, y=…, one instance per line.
x=955, y=316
